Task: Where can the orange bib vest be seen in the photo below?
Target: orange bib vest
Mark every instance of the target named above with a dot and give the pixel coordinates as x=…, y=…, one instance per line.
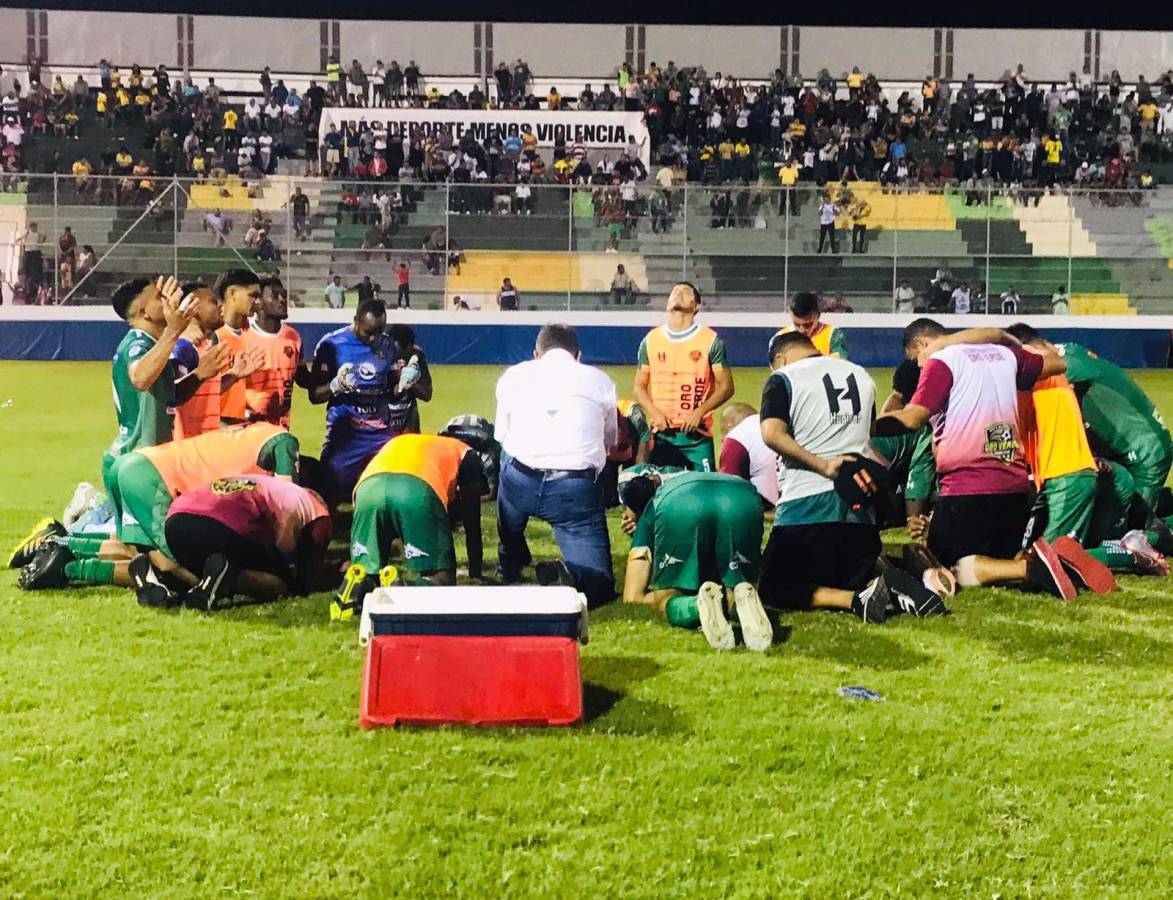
x=1051, y=430
x=198, y=461
x=201, y=413
x=681, y=378
x=430, y=457
x=821, y=340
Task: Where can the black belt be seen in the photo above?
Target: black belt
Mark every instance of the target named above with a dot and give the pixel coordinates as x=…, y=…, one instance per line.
x=552, y=474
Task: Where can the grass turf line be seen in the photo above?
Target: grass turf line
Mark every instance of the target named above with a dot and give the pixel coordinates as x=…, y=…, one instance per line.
x=1024, y=746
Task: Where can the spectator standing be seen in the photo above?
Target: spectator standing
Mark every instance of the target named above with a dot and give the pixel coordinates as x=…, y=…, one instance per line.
x=1061, y=301
x=827, y=213
x=335, y=293
x=905, y=298
x=508, y=298
x=403, y=283
x=411, y=79
x=859, y=212
x=961, y=299
x=300, y=205
x=32, y=244
x=556, y=420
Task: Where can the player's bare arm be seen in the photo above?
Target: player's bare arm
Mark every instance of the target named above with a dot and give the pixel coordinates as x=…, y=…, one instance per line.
x=146, y=371
x=779, y=439
x=637, y=577
x=902, y=421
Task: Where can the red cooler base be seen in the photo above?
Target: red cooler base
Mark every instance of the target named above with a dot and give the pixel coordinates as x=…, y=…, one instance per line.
x=439, y=680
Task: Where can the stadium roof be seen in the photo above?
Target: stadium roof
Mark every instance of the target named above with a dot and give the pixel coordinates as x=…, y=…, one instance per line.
x=986, y=14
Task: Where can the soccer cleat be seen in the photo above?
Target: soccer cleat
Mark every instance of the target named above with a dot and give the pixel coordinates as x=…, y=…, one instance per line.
x=388, y=575
x=920, y=560
x=1045, y=571
x=149, y=590
x=217, y=583
x=23, y=553
x=84, y=498
x=355, y=586
x=46, y=570
x=909, y=595
x=871, y=602
x=1145, y=560
x=553, y=572
x=756, y=630
x=1091, y=573
x=710, y=605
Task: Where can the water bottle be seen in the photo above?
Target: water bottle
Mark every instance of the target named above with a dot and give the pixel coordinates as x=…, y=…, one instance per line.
x=409, y=375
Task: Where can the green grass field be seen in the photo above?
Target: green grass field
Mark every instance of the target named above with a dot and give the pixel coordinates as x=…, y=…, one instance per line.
x=1024, y=748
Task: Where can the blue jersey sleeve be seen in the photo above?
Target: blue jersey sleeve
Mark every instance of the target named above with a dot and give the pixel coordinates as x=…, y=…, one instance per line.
x=184, y=357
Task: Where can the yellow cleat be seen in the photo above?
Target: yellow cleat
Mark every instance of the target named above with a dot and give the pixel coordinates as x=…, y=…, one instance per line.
x=388, y=575
x=342, y=607
x=23, y=553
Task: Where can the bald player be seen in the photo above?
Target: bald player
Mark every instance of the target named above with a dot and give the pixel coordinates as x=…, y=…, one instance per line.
x=681, y=380
x=745, y=454
x=806, y=318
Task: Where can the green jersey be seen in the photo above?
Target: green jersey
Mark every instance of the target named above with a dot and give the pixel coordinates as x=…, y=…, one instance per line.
x=1122, y=421
x=144, y=417
x=701, y=526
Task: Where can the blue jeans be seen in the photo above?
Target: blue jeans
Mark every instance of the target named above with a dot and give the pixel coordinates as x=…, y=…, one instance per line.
x=574, y=508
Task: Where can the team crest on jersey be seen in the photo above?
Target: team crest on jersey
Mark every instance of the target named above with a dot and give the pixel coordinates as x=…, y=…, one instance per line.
x=225, y=486
x=695, y=356
x=288, y=352
x=366, y=371
x=1000, y=442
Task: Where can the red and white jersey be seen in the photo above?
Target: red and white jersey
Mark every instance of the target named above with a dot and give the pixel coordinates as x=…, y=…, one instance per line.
x=971, y=390
x=745, y=454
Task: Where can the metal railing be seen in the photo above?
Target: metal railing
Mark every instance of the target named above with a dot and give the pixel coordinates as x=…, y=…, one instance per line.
x=746, y=244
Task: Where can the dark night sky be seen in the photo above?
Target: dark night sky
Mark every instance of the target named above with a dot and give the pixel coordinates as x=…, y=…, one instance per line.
x=1140, y=14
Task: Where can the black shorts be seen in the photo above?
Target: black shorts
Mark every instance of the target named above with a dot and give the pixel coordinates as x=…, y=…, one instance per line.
x=978, y=524
x=799, y=558
x=193, y=539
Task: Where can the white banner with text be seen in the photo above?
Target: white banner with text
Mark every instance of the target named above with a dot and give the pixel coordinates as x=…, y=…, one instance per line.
x=607, y=132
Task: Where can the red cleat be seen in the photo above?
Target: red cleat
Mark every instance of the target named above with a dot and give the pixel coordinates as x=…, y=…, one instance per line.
x=1093, y=575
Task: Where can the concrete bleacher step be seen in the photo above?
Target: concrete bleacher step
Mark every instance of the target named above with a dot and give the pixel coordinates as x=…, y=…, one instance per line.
x=1101, y=305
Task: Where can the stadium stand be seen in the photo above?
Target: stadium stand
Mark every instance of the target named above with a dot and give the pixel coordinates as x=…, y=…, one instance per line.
x=1007, y=183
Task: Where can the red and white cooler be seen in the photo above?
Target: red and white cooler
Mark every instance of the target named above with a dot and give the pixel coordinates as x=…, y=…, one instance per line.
x=472, y=655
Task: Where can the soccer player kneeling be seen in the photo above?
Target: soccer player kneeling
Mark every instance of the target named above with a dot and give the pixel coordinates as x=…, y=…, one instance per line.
x=412, y=491
x=696, y=547
x=825, y=545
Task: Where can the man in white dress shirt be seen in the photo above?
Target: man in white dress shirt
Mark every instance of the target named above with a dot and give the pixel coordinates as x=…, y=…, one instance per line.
x=556, y=419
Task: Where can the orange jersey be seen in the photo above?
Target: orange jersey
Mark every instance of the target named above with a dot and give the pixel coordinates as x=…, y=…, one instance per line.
x=680, y=373
x=201, y=412
x=269, y=390
x=429, y=457
x=198, y=461
x=232, y=401
x=1052, y=431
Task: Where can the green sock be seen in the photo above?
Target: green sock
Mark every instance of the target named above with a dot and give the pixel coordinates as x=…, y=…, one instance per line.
x=682, y=612
x=91, y=571
x=83, y=547
x=1113, y=555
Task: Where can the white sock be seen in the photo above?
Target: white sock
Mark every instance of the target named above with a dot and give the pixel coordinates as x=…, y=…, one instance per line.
x=966, y=571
